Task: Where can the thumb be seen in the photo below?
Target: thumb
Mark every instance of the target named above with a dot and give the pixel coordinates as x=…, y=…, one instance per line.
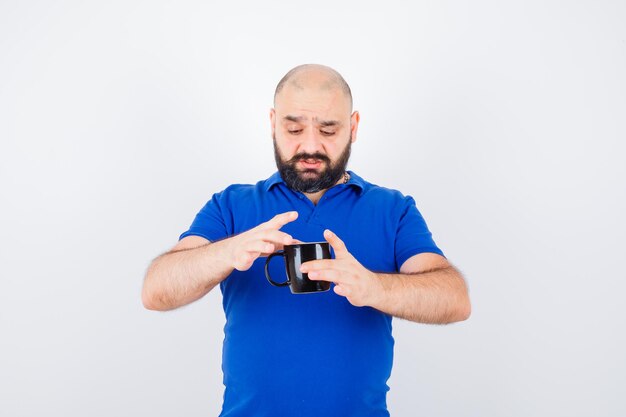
x=337, y=244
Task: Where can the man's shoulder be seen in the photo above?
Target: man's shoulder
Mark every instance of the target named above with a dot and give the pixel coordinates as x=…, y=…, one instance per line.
x=239, y=188
x=379, y=192
x=238, y=191
x=244, y=190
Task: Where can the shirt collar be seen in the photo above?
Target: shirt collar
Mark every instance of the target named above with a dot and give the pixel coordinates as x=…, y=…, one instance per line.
x=272, y=181
x=355, y=181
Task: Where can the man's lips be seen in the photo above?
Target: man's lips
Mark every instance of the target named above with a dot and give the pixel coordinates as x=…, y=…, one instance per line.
x=310, y=163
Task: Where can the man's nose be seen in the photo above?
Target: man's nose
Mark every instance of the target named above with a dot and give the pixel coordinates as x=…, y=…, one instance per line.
x=311, y=142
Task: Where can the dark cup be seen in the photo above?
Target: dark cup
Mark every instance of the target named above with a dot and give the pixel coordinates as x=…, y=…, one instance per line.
x=296, y=255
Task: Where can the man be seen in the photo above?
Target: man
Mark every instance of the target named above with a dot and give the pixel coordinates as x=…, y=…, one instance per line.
x=323, y=354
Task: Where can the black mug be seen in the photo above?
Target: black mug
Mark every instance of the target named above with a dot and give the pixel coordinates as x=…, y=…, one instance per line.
x=296, y=255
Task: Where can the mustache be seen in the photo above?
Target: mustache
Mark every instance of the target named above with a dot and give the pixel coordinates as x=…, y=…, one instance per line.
x=303, y=155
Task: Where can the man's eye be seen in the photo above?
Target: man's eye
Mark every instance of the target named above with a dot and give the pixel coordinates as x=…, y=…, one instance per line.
x=294, y=131
x=327, y=132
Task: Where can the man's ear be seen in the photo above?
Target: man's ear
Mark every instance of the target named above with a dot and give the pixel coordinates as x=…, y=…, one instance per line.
x=354, y=125
x=273, y=121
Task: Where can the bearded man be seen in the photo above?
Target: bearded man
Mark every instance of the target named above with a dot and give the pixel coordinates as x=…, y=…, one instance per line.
x=328, y=353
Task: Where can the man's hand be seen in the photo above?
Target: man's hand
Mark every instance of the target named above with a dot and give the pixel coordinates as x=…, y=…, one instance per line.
x=352, y=280
x=429, y=291
x=262, y=240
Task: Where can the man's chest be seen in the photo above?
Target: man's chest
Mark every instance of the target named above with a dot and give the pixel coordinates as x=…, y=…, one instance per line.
x=367, y=227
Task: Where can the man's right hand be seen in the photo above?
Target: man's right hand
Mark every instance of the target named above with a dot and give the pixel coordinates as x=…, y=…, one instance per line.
x=262, y=240
x=194, y=266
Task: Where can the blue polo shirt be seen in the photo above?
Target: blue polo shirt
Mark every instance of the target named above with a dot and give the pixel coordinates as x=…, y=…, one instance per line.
x=307, y=355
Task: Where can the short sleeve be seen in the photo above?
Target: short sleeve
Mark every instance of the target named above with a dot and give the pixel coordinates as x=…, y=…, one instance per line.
x=413, y=236
x=209, y=222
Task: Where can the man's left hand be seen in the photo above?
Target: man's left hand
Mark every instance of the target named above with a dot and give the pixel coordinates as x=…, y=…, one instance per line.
x=352, y=280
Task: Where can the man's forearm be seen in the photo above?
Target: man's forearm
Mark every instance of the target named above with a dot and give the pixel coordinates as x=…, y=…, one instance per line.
x=438, y=296
x=180, y=277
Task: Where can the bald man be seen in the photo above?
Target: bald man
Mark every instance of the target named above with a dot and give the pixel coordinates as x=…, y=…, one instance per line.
x=322, y=354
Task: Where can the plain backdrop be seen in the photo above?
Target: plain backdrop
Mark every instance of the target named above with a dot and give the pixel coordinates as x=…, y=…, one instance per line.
x=506, y=121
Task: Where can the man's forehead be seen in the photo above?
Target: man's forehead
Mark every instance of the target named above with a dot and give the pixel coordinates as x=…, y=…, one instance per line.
x=318, y=105
x=291, y=94
x=312, y=97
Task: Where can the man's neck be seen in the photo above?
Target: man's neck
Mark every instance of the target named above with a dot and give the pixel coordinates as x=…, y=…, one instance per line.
x=316, y=197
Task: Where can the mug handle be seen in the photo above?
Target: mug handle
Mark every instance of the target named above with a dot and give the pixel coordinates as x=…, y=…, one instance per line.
x=267, y=270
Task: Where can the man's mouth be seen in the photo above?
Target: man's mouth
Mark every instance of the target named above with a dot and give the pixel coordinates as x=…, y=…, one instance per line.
x=310, y=163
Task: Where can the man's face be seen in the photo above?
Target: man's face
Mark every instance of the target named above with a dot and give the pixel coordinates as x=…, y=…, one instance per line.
x=313, y=131
x=305, y=179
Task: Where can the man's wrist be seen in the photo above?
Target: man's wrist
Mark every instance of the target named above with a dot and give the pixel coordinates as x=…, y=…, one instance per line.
x=379, y=290
x=222, y=253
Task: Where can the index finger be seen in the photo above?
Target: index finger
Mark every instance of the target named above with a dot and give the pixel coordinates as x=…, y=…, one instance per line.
x=320, y=264
x=280, y=220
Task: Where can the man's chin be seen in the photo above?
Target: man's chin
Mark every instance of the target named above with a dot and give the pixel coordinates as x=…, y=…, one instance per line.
x=308, y=174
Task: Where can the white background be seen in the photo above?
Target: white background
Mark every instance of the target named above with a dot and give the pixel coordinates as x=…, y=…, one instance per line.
x=505, y=120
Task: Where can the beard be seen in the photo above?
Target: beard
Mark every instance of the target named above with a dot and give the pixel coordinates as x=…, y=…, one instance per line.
x=309, y=180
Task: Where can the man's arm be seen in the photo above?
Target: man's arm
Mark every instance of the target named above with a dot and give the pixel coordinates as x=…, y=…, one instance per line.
x=184, y=274
x=195, y=266
x=427, y=290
